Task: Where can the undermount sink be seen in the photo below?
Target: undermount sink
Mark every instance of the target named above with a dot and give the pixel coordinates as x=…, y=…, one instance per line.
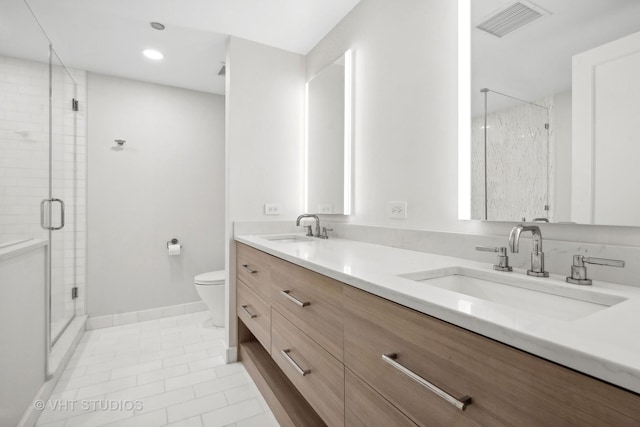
x=290, y=238
x=551, y=299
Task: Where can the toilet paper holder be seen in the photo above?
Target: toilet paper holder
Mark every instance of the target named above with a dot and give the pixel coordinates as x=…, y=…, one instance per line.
x=173, y=241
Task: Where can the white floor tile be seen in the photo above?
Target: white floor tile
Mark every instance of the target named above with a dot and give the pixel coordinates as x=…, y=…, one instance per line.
x=137, y=393
x=152, y=419
x=54, y=424
x=83, y=381
x=99, y=417
x=238, y=394
x=190, y=379
x=167, y=399
x=186, y=358
x=172, y=367
x=162, y=374
x=209, y=362
x=232, y=414
x=220, y=384
x=111, y=364
x=106, y=387
x=265, y=419
x=189, y=422
x=196, y=407
x=202, y=345
x=136, y=369
x=230, y=369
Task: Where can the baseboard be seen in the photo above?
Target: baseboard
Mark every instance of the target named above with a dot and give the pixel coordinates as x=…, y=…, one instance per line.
x=144, y=315
x=230, y=354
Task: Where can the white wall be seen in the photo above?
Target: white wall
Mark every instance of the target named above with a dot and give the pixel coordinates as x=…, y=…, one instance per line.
x=406, y=118
x=167, y=181
x=264, y=127
x=405, y=107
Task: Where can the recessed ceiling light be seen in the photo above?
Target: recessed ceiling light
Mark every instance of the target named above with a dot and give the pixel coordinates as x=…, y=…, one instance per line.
x=153, y=54
x=157, y=26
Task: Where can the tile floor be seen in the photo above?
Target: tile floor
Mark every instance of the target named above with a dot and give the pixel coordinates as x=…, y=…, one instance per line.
x=165, y=372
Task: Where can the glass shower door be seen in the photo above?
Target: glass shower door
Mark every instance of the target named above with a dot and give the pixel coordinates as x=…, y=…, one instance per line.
x=59, y=210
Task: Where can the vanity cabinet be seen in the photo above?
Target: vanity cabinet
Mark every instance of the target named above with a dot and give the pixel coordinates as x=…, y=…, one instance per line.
x=507, y=387
x=331, y=354
x=255, y=313
x=364, y=407
x=314, y=371
x=312, y=302
x=253, y=268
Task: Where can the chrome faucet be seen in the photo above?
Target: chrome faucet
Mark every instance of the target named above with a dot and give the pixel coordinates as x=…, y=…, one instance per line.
x=537, y=256
x=317, y=234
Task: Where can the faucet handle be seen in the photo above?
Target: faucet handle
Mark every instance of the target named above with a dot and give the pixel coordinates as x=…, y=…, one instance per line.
x=579, y=270
x=309, y=230
x=503, y=259
x=324, y=234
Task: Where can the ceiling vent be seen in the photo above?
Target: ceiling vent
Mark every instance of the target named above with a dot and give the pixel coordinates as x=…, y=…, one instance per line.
x=510, y=18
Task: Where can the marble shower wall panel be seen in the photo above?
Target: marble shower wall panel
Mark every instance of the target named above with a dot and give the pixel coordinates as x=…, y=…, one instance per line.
x=517, y=163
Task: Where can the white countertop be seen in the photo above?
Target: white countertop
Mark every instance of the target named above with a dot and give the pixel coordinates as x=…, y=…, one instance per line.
x=604, y=344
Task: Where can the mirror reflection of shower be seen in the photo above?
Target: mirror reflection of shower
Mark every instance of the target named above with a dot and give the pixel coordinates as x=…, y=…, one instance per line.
x=510, y=159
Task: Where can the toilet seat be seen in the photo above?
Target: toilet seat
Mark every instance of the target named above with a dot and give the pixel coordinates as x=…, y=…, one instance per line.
x=210, y=278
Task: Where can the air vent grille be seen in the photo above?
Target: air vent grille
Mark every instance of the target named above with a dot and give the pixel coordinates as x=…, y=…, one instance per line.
x=509, y=19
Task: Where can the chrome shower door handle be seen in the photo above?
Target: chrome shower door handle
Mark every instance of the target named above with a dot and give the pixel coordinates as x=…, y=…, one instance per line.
x=42, y=215
x=61, y=214
x=42, y=203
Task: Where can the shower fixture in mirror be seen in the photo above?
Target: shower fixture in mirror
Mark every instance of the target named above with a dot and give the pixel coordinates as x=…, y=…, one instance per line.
x=553, y=100
x=327, y=151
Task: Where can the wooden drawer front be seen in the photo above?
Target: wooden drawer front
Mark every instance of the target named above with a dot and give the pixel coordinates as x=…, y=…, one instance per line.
x=255, y=314
x=323, y=385
x=321, y=317
x=253, y=267
x=364, y=407
x=508, y=387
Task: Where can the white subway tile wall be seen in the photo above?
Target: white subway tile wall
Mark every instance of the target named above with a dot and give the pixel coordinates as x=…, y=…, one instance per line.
x=24, y=170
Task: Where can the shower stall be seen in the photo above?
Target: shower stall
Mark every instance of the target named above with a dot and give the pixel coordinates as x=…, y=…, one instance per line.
x=43, y=166
x=511, y=159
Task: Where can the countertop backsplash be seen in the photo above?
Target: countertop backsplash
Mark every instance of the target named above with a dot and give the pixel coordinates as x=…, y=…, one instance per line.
x=558, y=253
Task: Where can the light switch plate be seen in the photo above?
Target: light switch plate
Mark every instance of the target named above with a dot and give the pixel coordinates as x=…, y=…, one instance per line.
x=397, y=210
x=272, y=208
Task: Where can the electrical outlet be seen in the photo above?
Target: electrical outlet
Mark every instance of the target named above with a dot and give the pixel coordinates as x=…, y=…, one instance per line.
x=326, y=208
x=397, y=210
x=272, y=208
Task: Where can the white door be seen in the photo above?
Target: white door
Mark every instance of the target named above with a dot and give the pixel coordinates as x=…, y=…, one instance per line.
x=606, y=139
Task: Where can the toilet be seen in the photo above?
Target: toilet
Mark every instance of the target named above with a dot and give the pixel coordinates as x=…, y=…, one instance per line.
x=210, y=287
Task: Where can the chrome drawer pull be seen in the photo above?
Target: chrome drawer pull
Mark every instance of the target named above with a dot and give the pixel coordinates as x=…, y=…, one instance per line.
x=251, y=315
x=458, y=403
x=287, y=294
x=249, y=269
x=297, y=367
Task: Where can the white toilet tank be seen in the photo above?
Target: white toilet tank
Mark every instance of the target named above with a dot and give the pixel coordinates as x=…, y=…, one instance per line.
x=210, y=287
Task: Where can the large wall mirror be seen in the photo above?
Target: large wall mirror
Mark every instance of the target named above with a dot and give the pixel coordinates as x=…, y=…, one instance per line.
x=328, y=139
x=554, y=93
